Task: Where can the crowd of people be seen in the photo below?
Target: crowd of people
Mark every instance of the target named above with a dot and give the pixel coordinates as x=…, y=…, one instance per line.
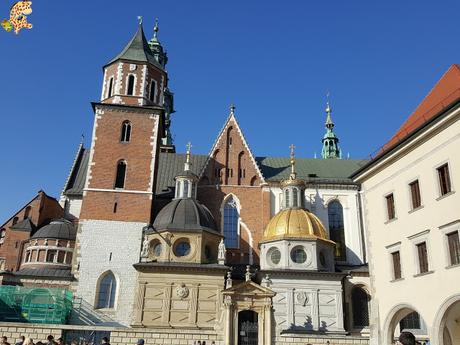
x=51, y=341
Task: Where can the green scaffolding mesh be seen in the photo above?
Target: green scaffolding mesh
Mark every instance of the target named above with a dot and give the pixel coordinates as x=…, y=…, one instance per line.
x=37, y=305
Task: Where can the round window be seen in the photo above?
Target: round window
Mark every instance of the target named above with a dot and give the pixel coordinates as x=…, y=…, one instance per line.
x=274, y=256
x=157, y=248
x=322, y=259
x=182, y=248
x=298, y=255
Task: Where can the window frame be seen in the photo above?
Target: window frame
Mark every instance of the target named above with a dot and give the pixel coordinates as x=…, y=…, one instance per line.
x=110, y=87
x=438, y=180
x=416, y=240
x=116, y=174
x=391, y=249
x=152, y=99
x=445, y=230
x=386, y=197
x=134, y=84
x=238, y=225
x=125, y=136
x=115, y=293
x=343, y=257
x=411, y=196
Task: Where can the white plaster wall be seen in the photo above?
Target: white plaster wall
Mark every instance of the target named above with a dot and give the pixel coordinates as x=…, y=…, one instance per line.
x=97, y=240
x=322, y=306
x=316, y=201
x=426, y=293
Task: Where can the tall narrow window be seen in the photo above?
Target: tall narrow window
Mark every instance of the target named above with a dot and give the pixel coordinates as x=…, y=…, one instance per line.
x=337, y=229
x=186, y=188
x=231, y=220
x=415, y=194
x=107, y=290
x=50, y=256
x=287, y=200
x=360, y=305
x=444, y=179
x=125, y=132
x=390, y=206
x=27, y=212
x=153, y=87
x=454, y=248
x=240, y=167
x=295, y=197
x=130, y=87
x=396, y=265
x=121, y=175
x=422, y=257
x=109, y=92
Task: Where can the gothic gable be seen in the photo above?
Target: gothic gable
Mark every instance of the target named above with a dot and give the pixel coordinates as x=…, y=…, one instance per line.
x=231, y=161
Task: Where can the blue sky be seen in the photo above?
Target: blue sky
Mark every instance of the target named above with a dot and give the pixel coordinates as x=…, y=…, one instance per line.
x=274, y=59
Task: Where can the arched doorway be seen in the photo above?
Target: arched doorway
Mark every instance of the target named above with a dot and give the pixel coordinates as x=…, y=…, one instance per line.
x=447, y=330
x=248, y=330
x=404, y=318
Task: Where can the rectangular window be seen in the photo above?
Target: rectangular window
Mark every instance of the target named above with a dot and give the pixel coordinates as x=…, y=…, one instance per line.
x=422, y=257
x=444, y=179
x=109, y=94
x=153, y=87
x=415, y=194
x=396, y=265
x=454, y=248
x=390, y=206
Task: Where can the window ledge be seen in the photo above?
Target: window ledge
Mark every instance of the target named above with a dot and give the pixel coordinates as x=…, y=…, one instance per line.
x=452, y=266
x=416, y=209
x=396, y=280
x=391, y=220
x=422, y=274
x=445, y=195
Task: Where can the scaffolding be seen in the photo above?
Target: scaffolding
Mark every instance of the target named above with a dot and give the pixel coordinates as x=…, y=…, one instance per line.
x=35, y=305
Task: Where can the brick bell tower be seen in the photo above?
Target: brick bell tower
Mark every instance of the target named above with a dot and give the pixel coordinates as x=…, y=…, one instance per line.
x=128, y=131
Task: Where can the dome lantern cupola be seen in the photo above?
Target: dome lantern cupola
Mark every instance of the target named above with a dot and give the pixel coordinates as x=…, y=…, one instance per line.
x=186, y=181
x=292, y=187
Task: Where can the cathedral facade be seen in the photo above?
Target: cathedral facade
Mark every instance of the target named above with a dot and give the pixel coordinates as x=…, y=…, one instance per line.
x=255, y=250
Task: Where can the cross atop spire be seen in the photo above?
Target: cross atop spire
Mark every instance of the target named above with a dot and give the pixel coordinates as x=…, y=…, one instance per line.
x=330, y=140
x=187, y=156
x=232, y=109
x=293, y=173
x=156, y=28
x=139, y=19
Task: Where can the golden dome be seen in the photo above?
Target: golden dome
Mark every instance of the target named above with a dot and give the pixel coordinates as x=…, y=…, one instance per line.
x=295, y=223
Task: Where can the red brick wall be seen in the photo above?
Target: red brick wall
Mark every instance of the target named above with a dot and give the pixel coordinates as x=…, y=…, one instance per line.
x=42, y=208
x=108, y=151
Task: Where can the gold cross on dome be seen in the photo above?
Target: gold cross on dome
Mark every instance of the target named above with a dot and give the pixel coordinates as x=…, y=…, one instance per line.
x=292, y=147
x=189, y=147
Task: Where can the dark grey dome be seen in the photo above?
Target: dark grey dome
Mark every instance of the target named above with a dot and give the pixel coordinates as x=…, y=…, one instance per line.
x=60, y=229
x=184, y=214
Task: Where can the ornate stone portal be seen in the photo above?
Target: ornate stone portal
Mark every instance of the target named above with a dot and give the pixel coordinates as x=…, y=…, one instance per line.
x=243, y=297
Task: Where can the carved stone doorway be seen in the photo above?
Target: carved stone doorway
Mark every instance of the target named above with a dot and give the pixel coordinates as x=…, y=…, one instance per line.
x=248, y=330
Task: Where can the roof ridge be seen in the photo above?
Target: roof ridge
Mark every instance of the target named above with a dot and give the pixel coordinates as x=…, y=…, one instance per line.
x=77, y=156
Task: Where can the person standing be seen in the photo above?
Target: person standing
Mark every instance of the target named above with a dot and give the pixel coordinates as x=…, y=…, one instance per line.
x=5, y=341
x=21, y=340
x=105, y=341
x=407, y=338
x=28, y=341
x=140, y=341
x=50, y=339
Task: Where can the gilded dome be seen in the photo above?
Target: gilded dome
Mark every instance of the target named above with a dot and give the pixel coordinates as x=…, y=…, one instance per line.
x=294, y=223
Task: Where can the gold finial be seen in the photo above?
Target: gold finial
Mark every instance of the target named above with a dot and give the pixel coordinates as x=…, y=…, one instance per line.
x=293, y=173
x=155, y=28
x=328, y=107
x=232, y=109
x=139, y=18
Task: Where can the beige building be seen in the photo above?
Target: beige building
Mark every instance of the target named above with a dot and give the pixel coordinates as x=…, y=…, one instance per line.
x=412, y=219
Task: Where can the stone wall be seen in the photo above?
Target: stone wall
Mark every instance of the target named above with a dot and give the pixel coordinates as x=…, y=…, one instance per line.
x=124, y=336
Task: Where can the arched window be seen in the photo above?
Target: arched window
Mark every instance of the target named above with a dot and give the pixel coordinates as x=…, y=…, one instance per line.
x=121, y=175
x=231, y=222
x=27, y=212
x=130, y=87
x=287, y=199
x=15, y=220
x=336, y=228
x=254, y=181
x=295, y=197
x=153, y=87
x=125, y=132
x=410, y=322
x=360, y=305
x=109, y=92
x=107, y=290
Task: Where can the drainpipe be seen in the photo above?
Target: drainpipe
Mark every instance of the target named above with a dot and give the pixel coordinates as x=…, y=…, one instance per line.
x=361, y=222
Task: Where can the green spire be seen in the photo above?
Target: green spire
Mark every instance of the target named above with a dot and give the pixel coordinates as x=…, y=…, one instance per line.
x=157, y=48
x=330, y=141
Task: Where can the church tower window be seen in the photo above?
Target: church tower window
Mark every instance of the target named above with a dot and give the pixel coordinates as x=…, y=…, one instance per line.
x=121, y=175
x=231, y=223
x=153, y=87
x=125, y=132
x=107, y=290
x=130, y=87
x=109, y=93
x=27, y=212
x=337, y=229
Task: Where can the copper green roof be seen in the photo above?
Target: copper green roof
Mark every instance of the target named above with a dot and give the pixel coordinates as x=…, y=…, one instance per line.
x=137, y=50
